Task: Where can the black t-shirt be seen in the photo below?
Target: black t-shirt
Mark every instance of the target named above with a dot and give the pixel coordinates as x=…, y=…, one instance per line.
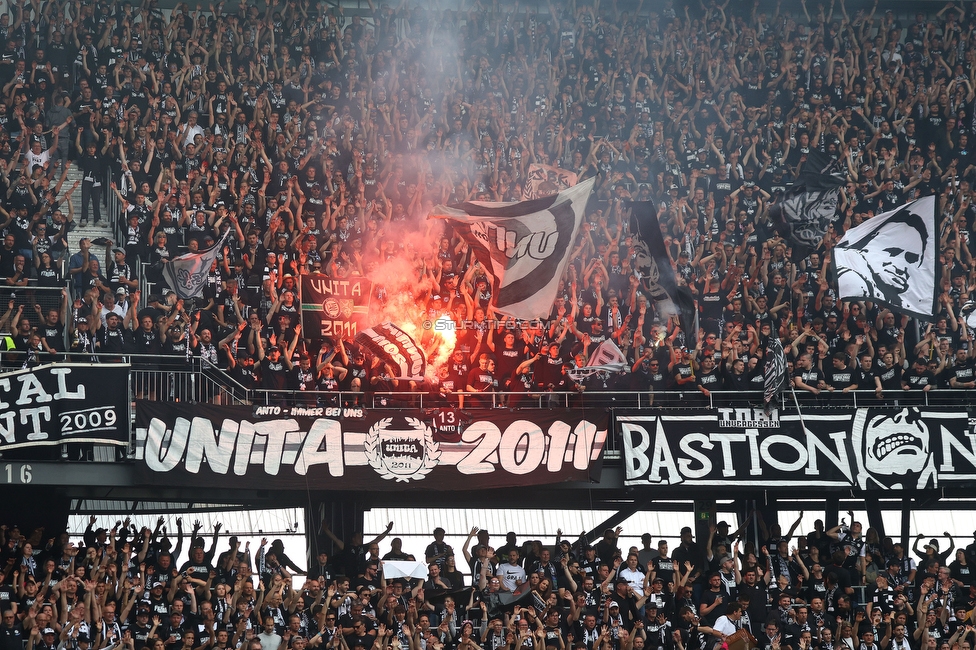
x=890, y=377
x=963, y=372
x=664, y=569
x=274, y=375
x=480, y=380
x=681, y=371
x=839, y=379
x=709, y=380
x=810, y=377
x=865, y=379
x=918, y=380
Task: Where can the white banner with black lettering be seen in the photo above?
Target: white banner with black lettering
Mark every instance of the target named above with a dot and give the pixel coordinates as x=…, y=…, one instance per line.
x=907, y=448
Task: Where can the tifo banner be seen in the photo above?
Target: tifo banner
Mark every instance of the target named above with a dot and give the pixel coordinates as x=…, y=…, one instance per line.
x=334, y=308
x=543, y=180
x=351, y=449
x=889, y=448
x=61, y=403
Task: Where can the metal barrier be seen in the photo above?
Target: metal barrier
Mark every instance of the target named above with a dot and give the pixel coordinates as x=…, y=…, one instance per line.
x=688, y=399
x=180, y=379
x=169, y=378
x=267, y=397
x=194, y=380
x=27, y=297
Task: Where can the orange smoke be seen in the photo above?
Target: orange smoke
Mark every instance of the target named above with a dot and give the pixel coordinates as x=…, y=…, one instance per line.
x=405, y=287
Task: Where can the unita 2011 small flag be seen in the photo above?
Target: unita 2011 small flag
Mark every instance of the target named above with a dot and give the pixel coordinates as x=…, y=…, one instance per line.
x=891, y=259
x=524, y=247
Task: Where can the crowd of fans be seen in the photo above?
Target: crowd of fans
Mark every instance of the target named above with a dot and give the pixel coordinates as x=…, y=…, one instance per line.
x=840, y=588
x=318, y=142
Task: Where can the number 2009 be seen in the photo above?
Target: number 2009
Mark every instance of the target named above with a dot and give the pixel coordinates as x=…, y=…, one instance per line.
x=88, y=420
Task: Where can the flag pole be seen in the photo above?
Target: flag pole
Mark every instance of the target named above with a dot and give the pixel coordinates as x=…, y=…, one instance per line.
x=796, y=401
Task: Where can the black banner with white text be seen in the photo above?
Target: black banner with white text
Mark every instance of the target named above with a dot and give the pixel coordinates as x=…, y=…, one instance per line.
x=60, y=403
x=353, y=448
x=889, y=448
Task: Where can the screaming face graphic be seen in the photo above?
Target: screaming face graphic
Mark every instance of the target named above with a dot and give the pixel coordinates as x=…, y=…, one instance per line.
x=893, y=449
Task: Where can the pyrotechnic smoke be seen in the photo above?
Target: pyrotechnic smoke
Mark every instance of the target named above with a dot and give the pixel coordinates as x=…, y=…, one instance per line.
x=407, y=287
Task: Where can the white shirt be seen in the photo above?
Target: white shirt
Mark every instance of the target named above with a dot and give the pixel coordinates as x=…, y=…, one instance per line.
x=510, y=574
x=39, y=159
x=725, y=626
x=635, y=579
x=117, y=309
x=191, y=133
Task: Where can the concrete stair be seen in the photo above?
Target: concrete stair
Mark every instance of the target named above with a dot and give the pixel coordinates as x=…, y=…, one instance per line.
x=105, y=228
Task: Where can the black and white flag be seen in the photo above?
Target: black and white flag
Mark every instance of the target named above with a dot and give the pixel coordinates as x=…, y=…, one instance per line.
x=394, y=346
x=892, y=259
x=652, y=264
x=523, y=246
x=774, y=373
x=607, y=357
x=653, y=267
x=187, y=274
x=803, y=214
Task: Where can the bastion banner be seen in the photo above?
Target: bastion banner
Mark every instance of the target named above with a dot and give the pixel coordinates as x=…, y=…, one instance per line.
x=889, y=448
x=61, y=403
x=353, y=448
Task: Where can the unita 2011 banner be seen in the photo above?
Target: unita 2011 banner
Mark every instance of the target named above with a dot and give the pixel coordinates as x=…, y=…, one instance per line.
x=890, y=448
x=350, y=448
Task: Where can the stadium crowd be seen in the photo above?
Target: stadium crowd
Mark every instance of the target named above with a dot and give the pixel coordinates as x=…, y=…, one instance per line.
x=320, y=142
x=842, y=588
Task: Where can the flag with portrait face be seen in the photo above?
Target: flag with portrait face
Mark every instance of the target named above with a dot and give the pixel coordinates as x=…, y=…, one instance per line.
x=892, y=259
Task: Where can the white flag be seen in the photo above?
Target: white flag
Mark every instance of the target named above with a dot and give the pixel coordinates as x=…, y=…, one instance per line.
x=187, y=274
x=543, y=180
x=891, y=259
x=523, y=246
x=607, y=357
x=404, y=569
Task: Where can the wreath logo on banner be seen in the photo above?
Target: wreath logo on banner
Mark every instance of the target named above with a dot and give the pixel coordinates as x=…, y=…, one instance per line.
x=401, y=454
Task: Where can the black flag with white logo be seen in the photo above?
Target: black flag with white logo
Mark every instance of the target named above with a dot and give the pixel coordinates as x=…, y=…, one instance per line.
x=803, y=214
x=653, y=267
x=396, y=347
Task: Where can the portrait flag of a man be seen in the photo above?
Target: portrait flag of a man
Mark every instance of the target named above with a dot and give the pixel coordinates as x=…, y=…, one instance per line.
x=892, y=259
